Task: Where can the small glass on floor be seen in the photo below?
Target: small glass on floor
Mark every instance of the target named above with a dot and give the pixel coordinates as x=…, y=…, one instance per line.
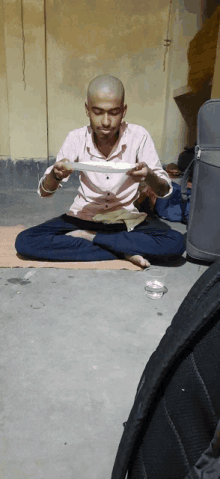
x=155, y=279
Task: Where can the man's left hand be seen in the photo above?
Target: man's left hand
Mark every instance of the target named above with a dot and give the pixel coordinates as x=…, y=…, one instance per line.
x=139, y=172
x=145, y=176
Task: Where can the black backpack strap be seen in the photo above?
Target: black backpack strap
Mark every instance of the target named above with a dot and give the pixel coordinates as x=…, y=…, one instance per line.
x=208, y=465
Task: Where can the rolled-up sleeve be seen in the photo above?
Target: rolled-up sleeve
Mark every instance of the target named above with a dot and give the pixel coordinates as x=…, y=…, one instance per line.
x=147, y=154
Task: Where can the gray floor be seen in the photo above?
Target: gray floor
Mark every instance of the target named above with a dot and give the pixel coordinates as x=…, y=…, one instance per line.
x=73, y=347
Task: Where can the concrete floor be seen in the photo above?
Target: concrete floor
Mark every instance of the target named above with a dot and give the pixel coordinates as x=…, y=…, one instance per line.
x=73, y=347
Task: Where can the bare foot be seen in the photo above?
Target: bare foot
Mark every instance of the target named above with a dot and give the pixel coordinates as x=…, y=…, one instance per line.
x=89, y=235
x=138, y=260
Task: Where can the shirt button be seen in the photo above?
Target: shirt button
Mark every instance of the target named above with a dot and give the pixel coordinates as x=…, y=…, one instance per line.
x=106, y=206
x=107, y=177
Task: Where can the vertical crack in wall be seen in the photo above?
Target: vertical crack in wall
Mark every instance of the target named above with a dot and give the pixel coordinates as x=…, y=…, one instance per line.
x=23, y=44
x=46, y=84
x=7, y=93
x=167, y=41
x=168, y=79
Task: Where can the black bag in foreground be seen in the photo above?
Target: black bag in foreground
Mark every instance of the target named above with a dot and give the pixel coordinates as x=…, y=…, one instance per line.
x=203, y=234
x=173, y=430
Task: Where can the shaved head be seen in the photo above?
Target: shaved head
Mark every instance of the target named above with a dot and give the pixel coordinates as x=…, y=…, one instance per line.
x=105, y=109
x=106, y=86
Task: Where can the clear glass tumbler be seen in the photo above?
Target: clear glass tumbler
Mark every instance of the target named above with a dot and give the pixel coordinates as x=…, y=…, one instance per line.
x=155, y=279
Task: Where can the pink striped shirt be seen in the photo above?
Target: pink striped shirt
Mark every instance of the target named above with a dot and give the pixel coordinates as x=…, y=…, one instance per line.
x=103, y=192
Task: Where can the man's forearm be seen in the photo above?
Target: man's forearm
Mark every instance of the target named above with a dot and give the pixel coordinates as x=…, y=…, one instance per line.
x=50, y=184
x=159, y=185
x=61, y=170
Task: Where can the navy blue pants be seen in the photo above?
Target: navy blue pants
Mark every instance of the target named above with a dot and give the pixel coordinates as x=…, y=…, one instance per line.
x=48, y=241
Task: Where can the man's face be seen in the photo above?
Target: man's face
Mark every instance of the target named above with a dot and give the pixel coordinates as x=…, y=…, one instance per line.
x=105, y=112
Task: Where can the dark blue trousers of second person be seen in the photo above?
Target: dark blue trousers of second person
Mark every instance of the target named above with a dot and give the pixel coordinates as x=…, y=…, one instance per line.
x=48, y=241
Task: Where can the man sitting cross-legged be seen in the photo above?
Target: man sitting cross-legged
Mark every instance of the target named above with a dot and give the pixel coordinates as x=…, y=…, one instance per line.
x=103, y=223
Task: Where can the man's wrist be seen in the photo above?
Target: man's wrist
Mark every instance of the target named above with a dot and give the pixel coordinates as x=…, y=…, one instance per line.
x=159, y=185
x=45, y=189
x=55, y=177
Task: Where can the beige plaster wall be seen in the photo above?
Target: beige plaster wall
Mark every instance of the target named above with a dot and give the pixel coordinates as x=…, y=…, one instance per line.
x=89, y=38
x=84, y=39
x=186, y=21
x=4, y=129
x=26, y=78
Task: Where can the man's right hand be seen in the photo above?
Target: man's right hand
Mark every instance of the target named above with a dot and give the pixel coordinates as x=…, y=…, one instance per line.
x=61, y=170
x=51, y=182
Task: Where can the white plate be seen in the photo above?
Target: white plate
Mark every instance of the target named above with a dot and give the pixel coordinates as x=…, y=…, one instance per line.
x=102, y=167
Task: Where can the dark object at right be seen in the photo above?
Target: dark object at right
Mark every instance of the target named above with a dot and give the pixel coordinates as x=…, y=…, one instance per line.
x=203, y=233
x=185, y=158
x=173, y=429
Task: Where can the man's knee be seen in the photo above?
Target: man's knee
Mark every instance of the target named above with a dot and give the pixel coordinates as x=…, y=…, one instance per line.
x=179, y=244
x=22, y=243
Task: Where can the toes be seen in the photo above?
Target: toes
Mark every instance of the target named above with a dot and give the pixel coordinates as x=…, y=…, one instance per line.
x=138, y=260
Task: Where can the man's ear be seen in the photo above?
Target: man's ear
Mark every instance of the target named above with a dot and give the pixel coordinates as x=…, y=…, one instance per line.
x=125, y=110
x=87, y=109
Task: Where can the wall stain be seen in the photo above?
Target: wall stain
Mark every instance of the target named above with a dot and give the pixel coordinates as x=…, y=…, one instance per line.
x=20, y=281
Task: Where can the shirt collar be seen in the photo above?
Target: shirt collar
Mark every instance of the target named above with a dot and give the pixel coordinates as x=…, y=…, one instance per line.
x=93, y=150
